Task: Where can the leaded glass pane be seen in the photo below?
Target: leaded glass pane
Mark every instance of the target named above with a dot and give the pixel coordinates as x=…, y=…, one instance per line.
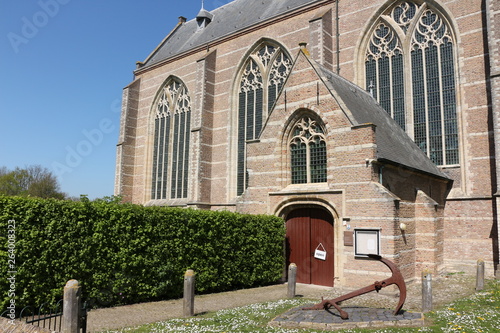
x=449, y=104
x=241, y=144
x=185, y=176
x=371, y=76
x=385, y=84
x=251, y=83
x=182, y=147
x=419, y=108
x=170, y=151
x=434, y=104
x=250, y=115
x=155, y=160
x=298, y=152
x=318, y=160
x=252, y=102
x=259, y=110
x=175, y=157
x=308, y=153
x=432, y=38
x=165, y=156
x=398, y=92
x=159, y=181
x=430, y=54
x=384, y=67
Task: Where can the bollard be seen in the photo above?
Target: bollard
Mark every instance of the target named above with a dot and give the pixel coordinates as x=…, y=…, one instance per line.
x=426, y=291
x=292, y=280
x=480, y=275
x=71, y=307
x=189, y=281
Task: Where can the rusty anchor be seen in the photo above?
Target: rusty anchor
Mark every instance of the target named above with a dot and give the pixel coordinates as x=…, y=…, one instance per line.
x=396, y=278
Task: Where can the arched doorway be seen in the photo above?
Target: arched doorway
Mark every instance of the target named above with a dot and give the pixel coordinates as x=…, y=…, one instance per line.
x=309, y=229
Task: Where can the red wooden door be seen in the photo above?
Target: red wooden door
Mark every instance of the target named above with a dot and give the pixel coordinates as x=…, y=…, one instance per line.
x=306, y=229
x=298, y=236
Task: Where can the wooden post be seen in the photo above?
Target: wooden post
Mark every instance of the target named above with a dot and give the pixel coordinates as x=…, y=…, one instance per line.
x=426, y=291
x=189, y=281
x=480, y=275
x=71, y=307
x=292, y=280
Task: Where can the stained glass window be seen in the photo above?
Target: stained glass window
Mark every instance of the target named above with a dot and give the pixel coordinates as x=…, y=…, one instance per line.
x=415, y=39
x=261, y=82
x=171, y=142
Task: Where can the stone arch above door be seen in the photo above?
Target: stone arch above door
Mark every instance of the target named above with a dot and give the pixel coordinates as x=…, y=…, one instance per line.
x=331, y=201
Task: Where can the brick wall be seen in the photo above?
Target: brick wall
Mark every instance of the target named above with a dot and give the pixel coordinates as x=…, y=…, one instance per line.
x=437, y=238
x=493, y=25
x=468, y=235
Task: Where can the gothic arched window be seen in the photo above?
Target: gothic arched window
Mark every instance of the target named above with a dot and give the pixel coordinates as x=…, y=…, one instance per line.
x=308, y=153
x=262, y=79
x=171, y=142
x=410, y=70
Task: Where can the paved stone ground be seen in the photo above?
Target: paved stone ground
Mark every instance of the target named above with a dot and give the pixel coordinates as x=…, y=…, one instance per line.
x=359, y=317
x=445, y=289
x=6, y=326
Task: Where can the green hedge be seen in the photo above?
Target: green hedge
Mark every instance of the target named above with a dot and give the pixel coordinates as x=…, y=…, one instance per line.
x=124, y=253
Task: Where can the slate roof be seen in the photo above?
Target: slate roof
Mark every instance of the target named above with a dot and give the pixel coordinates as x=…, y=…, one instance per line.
x=228, y=19
x=393, y=144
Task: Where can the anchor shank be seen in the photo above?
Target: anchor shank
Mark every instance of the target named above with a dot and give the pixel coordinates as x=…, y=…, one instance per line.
x=396, y=278
x=353, y=294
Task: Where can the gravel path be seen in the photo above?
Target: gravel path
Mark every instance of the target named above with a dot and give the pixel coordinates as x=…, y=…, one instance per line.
x=445, y=289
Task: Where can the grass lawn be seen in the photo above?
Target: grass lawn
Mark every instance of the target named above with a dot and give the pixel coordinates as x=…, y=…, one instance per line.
x=477, y=313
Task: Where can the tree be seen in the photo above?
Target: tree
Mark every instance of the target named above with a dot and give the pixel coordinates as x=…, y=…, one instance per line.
x=33, y=180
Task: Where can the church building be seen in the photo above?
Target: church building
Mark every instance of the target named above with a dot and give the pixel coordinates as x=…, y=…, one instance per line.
x=369, y=127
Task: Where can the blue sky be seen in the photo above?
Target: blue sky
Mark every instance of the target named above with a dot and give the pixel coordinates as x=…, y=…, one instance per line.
x=63, y=66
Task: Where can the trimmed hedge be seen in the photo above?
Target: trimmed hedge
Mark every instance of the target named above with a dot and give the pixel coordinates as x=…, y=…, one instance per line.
x=124, y=253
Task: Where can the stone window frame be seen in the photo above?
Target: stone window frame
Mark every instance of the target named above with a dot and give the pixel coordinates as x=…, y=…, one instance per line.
x=304, y=120
x=170, y=134
x=264, y=63
x=400, y=27
x=308, y=155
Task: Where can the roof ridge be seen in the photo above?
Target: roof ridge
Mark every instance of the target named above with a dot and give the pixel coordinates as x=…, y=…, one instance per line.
x=229, y=19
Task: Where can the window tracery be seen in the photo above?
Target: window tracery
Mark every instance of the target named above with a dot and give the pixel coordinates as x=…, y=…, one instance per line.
x=384, y=67
x=403, y=14
x=415, y=39
x=261, y=81
x=308, y=153
x=171, y=142
x=278, y=73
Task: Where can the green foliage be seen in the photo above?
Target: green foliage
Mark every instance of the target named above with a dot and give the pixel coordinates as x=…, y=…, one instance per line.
x=124, y=253
x=33, y=180
x=477, y=313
